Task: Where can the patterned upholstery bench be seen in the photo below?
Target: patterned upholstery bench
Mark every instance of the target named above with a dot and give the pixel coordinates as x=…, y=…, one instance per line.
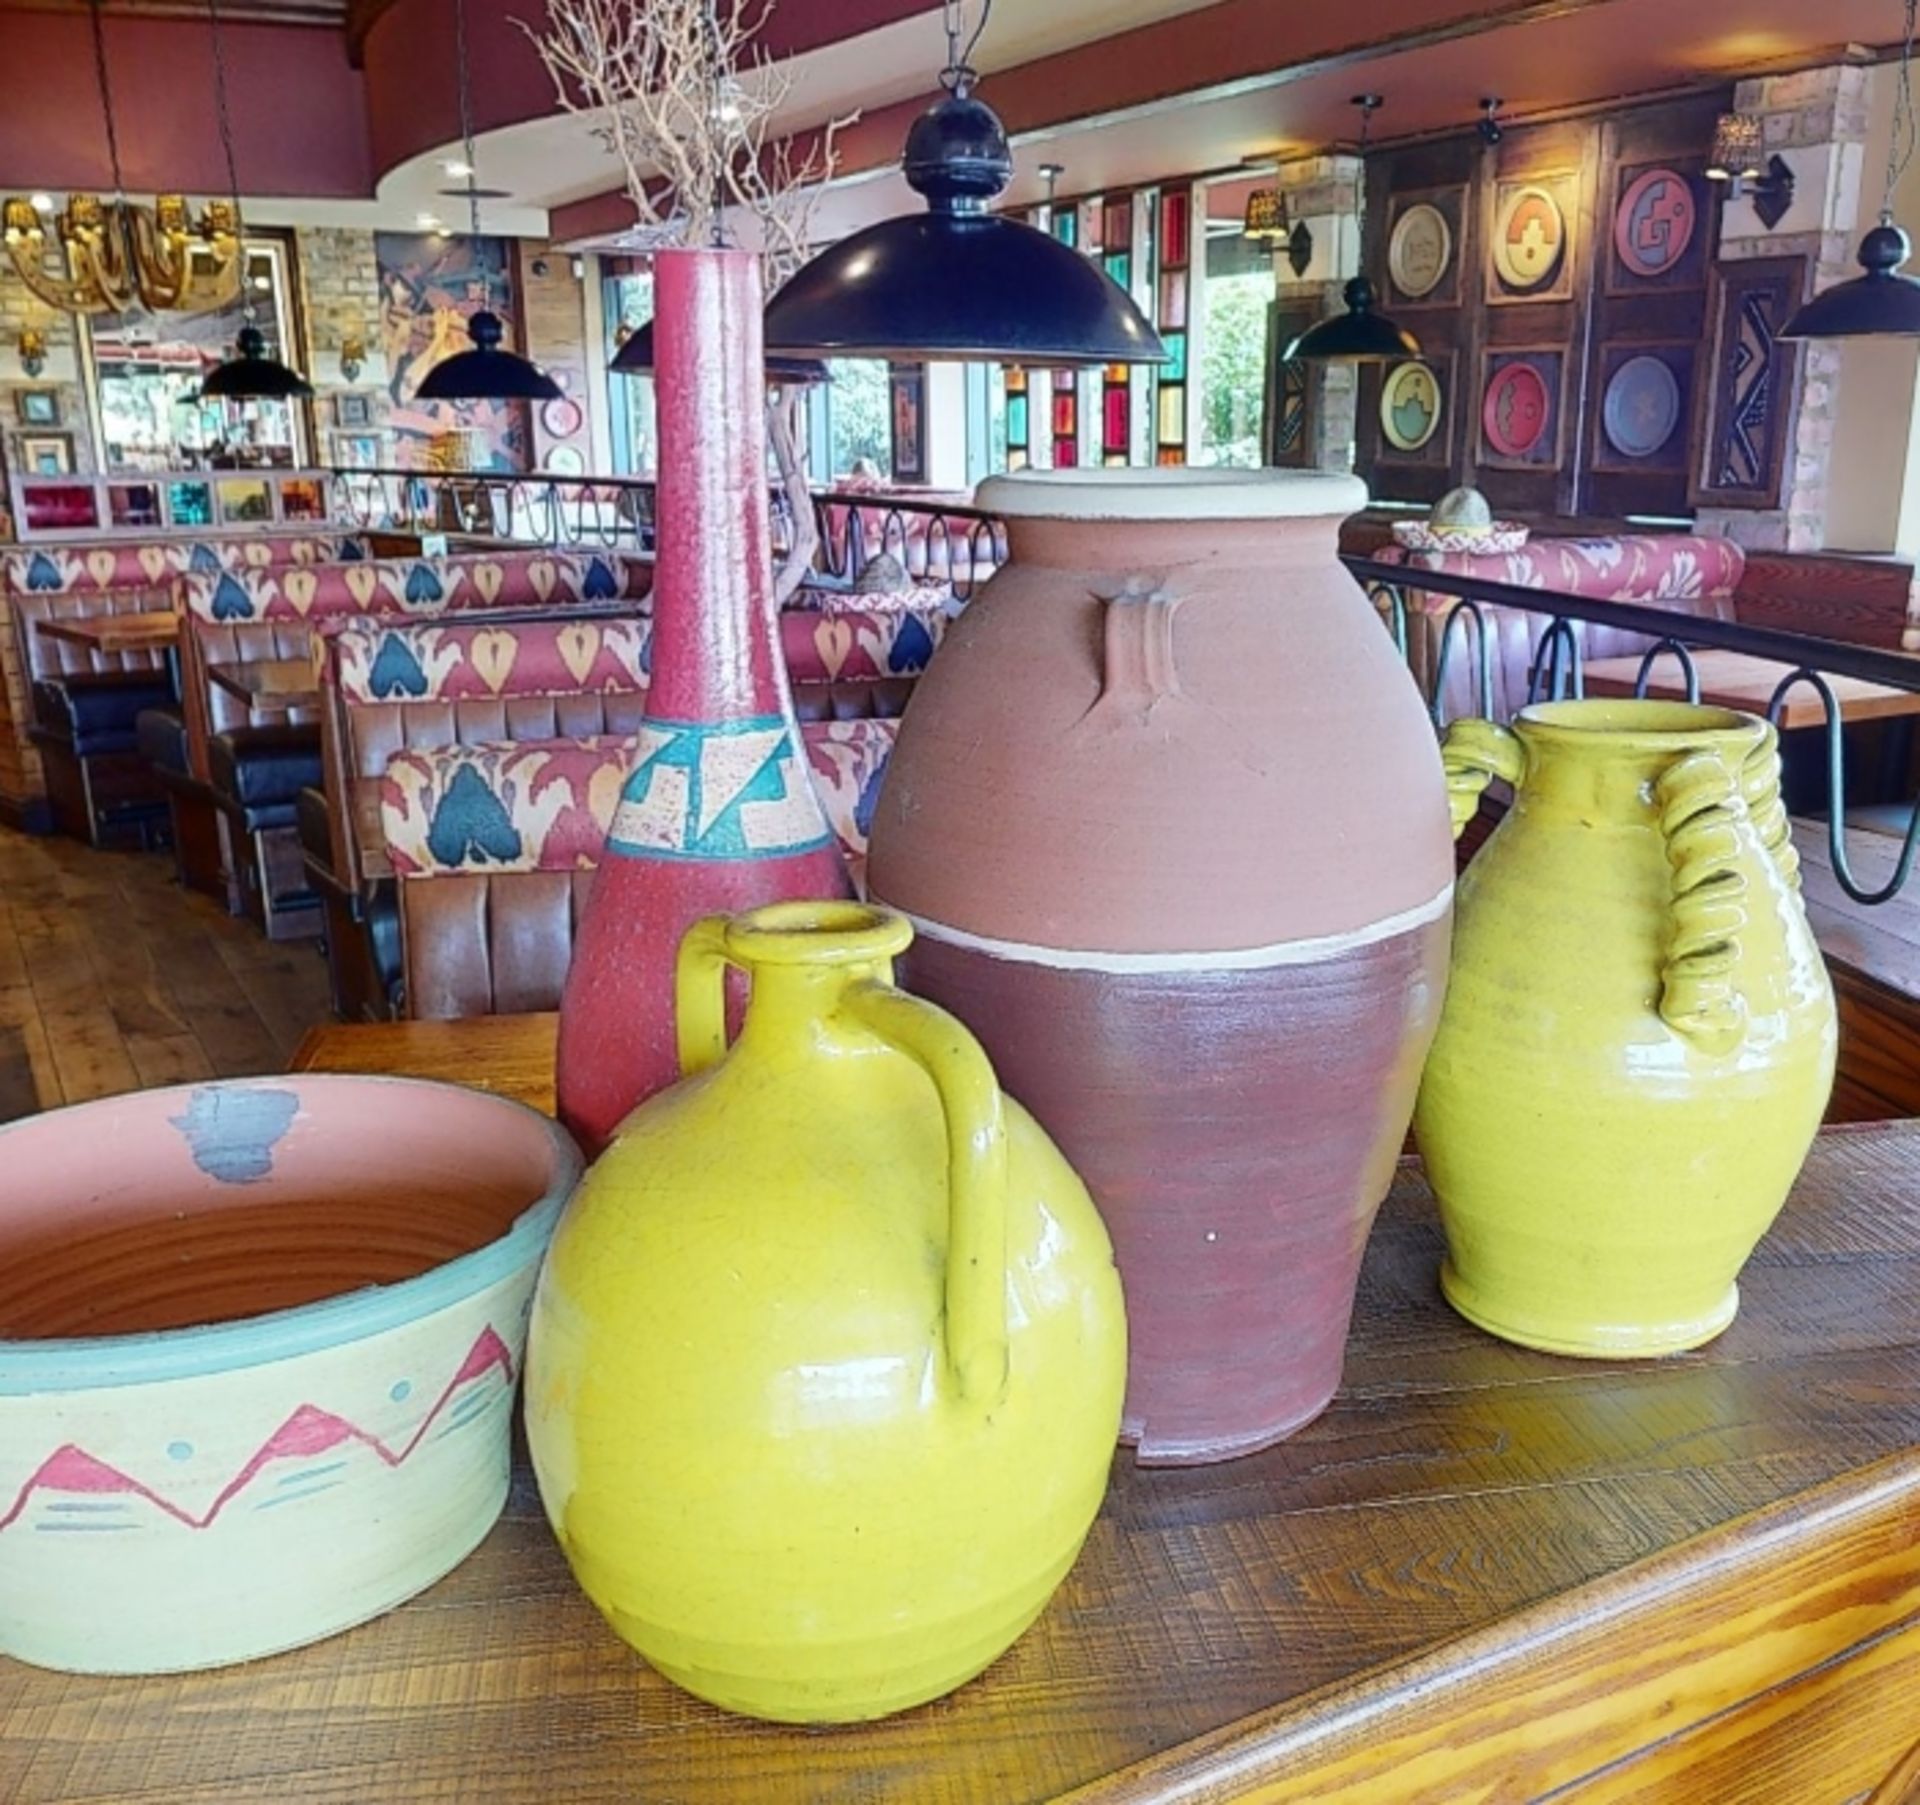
x=1693, y=575
x=79, y=582
x=495, y=845
x=257, y=760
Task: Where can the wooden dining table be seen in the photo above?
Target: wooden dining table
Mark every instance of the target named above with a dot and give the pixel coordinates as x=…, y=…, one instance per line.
x=1739, y=680
x=1483, y=1575
x=155, y=630
x=270, y=685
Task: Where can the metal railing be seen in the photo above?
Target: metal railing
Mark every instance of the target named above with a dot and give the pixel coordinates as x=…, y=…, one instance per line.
x=1556, y=669
x=941, y=541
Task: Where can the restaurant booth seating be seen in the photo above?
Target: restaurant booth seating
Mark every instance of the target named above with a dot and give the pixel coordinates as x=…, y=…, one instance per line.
x=1692, y=575
x=504, y=935
x=69, y=714
x=254, y=757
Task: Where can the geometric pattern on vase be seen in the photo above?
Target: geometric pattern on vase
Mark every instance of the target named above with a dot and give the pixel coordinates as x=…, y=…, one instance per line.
x=716, y=790
x=549, y=805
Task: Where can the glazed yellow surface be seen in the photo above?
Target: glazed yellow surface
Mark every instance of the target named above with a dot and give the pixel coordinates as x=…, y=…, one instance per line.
x=827, y=1358
x=1639, y=1035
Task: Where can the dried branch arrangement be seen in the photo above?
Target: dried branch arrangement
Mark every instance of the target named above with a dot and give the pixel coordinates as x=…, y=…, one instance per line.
x=679, y=93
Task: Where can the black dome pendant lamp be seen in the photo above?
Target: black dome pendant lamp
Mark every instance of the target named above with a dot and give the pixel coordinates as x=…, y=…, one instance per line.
x=958, y=281
x=1882, y=303
x=1359, y=335
x=486, y=373
x=250, y=374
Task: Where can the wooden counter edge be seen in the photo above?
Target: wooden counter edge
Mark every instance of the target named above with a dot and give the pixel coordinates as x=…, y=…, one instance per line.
x=1564, y=1688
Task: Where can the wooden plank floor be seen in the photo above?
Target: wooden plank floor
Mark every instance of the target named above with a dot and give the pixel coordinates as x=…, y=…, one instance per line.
x=113, y=978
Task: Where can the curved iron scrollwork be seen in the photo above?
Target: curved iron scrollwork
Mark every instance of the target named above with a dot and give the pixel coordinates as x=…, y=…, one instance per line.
x=1556, y=669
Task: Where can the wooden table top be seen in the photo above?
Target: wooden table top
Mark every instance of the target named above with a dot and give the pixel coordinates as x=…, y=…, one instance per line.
x=1736, y=680
x=1471, y=1579
x=145, y=632
x=270, y=684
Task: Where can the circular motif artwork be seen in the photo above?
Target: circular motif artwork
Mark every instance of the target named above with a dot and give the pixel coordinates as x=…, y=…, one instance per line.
x=1655, y=223
x=1419, y=251
x=562, y=416
x=1642, y=408
x=565, y=460
x=1529, y=239
x=1518, y=411
x=1410, y=407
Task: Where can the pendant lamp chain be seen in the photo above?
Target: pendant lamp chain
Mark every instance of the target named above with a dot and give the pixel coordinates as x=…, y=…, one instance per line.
x=466, y=117
x=959, y=75
x=225, y=121
x=1906, y=128
x=106, y=96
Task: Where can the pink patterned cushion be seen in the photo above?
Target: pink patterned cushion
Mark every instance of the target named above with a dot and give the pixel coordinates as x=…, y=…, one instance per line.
x=457, y=661
x=859, y=646
x=418, y=586
x=1646, y=567
x=546, y=805
x=68, y=570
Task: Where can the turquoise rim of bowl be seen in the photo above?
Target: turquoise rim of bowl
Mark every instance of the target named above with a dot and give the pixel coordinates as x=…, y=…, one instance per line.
x=91, y=1363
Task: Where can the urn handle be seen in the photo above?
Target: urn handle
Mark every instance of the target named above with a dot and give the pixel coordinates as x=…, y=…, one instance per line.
x=976, y=1283
x=861, y=941
x=1137, y=665
x=1701, y=800
x=1760, y=785
x=1473, y=754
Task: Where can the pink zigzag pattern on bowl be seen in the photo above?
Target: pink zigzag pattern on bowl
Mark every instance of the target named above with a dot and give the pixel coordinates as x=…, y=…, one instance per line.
x=307, y=1432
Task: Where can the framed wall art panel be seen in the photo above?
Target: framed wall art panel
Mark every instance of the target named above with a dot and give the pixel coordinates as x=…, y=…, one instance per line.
x=1749, y=383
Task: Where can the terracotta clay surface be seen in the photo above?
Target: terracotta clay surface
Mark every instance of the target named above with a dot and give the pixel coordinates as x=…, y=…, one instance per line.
x=1169, y=817
x=719, y=814
x=171, y=1208
x=259, y=1342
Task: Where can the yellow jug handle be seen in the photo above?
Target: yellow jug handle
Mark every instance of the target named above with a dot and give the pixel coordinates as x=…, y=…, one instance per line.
x=1700, y=799
x=700, y=996
x=1760, y=784
x=976, y=1284
x=1473, y=754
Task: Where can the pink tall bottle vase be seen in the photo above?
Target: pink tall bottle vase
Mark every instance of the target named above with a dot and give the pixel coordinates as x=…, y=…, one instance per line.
x=718, y=815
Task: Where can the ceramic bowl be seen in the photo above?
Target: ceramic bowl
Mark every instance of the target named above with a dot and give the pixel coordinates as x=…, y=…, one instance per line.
x=258, y=1348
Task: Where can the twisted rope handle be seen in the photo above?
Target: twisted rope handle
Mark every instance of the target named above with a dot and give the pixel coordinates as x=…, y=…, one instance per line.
x=1473, y=754
x=1760, y=785
x=1701, y=800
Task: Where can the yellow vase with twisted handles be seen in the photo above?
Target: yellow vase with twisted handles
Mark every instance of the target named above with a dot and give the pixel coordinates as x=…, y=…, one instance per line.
x=1639, y=1037
x=826, y=1361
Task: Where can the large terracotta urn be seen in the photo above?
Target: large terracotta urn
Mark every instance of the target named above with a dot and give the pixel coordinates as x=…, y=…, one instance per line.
x=719, y=813
x=1168, y=817
x=825, y=1366
x=1639, y=1041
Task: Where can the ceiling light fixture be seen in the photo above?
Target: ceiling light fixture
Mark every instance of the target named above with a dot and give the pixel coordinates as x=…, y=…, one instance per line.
x=1268, y=220
x=250, y=374
x=958, y=281
x=1491, y=130
x=1359, y=335
x=1882, y=303
x=120, y=254
x=487, y=372
x=455, y=169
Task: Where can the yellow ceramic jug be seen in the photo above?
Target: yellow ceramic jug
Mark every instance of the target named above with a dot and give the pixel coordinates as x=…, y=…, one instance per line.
x=827, y=1357
x=1638, y=1040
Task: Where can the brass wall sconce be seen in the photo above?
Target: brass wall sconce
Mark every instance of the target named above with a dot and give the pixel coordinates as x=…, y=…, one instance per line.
x=1736, y=161
x=33, y=350
x=353, y=357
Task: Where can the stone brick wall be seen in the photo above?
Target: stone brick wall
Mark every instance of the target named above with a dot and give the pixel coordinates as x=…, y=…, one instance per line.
x=1328, y=194
x=20, y=311
x=1818, y=120
x=340, y=293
